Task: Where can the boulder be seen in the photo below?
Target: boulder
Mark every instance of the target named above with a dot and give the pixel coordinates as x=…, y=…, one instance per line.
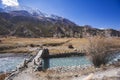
x=22, y=65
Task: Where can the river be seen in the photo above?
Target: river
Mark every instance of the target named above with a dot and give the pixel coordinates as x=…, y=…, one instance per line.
x=9, y=62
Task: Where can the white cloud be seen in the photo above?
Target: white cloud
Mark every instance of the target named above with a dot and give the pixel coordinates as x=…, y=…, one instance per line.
x=10, y=2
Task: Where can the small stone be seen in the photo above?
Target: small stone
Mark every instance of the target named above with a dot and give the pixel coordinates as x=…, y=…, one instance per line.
x=107, y=64
x=76, y=75
x=118, y=73
x=118, y=59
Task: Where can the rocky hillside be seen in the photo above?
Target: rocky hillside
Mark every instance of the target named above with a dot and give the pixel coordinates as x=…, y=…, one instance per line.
x=23, y=23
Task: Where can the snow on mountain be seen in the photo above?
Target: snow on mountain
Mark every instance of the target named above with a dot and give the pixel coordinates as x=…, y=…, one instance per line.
x=1, y=10
x=19, y=8
x=36, y=13
x=33, y=12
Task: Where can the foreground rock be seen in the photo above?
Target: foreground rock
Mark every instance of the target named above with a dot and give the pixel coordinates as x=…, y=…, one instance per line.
x=25, y=70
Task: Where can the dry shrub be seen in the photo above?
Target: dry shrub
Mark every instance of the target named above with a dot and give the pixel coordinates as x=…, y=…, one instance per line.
x=70, y=46
x=32, y=45
x=0, y=41
x=98, y=48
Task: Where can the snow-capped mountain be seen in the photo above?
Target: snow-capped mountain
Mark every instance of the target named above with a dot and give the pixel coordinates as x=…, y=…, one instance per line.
x=1, y=10
x=33, y=12
x=22, y=21
x=28, y=11
x=28, y=22
x=36, y=12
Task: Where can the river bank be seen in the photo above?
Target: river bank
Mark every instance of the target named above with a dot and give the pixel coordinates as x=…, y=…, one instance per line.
x=62, y=73
x=74, y=73
x=56, y=62
x=3, y=55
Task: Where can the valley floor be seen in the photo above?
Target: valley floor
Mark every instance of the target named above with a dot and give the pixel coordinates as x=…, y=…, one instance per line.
x=29, y=45
x=55, y=45
x=58, y=46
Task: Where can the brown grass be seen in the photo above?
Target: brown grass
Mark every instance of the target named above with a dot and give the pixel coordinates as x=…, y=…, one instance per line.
x=2, y=76
x=55, y=45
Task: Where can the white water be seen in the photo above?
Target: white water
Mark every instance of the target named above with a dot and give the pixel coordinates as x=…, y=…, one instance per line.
x=9, y=63
x=115, y=58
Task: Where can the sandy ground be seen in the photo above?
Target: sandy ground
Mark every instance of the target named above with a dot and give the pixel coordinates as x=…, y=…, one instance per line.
x=26, y=75
x=115, y=72
x=29, y=74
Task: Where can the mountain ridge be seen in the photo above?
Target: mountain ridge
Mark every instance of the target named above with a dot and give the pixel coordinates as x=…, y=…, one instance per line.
x=22, y=23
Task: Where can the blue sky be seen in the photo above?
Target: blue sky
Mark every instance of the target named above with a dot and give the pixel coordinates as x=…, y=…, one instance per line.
x=97, y=13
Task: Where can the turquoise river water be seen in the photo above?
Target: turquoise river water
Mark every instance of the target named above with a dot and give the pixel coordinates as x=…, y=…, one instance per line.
x=9, y=63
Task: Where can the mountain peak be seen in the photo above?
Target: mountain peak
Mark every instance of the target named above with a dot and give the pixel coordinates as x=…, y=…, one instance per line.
x=24, y=21
x=34, y=12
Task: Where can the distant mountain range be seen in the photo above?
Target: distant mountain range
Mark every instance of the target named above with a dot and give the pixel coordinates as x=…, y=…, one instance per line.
x=26, y=22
